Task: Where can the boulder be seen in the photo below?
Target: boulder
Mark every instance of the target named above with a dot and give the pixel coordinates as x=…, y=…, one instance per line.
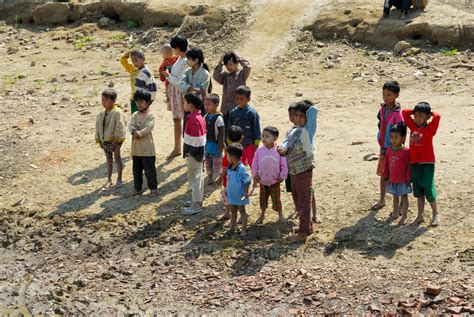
x=401, y=46
x=51, y=13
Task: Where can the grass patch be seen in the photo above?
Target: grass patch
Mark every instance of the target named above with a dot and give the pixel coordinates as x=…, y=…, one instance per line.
x=132, y=24
x=82, y=41
x=120, y=37
x=449, y=52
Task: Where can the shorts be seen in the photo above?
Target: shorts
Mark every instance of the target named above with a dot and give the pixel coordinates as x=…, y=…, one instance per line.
x=109, y=147
x=175, y=102
x=399, y=189
x=422, y=176
x=249, y=153
x=380, y=165
x=133, y=106
x=272, y=191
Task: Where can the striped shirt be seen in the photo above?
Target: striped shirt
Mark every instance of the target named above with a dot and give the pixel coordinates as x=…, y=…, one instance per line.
x=194, y=136
x=146, y=81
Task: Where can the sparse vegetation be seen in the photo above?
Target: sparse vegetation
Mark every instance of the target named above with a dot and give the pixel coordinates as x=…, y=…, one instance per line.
x=82, y=41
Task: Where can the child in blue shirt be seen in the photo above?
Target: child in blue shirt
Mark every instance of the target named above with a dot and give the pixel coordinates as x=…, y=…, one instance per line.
x=238, y=183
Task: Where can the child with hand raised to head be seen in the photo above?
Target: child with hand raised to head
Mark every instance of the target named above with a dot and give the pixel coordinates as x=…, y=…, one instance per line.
x=422, y=157
x=397, y=172
x=269, y=169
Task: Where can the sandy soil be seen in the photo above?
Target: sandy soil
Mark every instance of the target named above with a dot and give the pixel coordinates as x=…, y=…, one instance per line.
x=67, y=247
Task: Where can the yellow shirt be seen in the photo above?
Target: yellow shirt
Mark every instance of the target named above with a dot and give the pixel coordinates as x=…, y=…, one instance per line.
x=132, y=70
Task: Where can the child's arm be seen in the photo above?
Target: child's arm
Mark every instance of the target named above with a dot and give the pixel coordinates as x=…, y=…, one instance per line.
x=160, y=71
x=220, y=137
x=245, y=179
x=148, y=127
x=98, y=123
x=407, y=117
x=257, y=133
x=183, y=84
x=311, y=122
x=204, y=86
x=126, y=63
x=283, y=168
x=177, y=74
x=254, y=166
x=120, y=129
x=434, y=124
x=217, y=74
x=386, y=171
x=245, y=66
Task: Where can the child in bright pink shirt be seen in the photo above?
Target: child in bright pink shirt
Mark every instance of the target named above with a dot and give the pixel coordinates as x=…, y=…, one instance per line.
x=269, y=169
x=397, y=171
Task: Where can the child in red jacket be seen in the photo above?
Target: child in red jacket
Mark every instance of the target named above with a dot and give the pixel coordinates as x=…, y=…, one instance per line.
x=397, y=171
x=422, y=157
x=168, y=61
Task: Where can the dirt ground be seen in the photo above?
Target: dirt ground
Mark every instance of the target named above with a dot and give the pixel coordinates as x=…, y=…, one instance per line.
x=67, y=247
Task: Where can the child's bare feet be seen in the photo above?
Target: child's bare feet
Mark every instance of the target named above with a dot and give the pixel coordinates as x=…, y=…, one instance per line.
x=403, y=221
x=224, y=217
x=118, y=185
x=209, y=181
x=435, y=221
x=297, y=237
x=229, y=233
x=316, y=219
x=418, y=221
x=254, y=191
x=260, y=220
x=378, y=205
x=393, y=215
x=173, y=155
x=293, y=215
x=106, y=186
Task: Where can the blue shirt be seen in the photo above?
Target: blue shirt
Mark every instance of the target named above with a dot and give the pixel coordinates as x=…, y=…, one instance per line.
x=249, y=121
x=238, y=180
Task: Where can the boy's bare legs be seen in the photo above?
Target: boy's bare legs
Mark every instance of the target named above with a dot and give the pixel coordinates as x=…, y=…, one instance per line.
x=316, y=216
x=244, y=219
x=178, y=127
x=404, y=209
x=109, y=162
x=435, y=219
x=421, y=208
x=233, y=219
x=228, y=213
x=396, y=208
x=261, y=218
x=383, y=192
x=119, y=164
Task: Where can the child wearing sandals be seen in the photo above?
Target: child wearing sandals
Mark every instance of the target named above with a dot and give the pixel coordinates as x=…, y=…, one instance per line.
x=397, y=172
x=110, y=134
x=269, y=169
x=422, y=157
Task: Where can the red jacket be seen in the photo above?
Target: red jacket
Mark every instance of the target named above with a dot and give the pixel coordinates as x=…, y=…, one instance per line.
x=397, y=165
x=167, y=64
x=421, y=138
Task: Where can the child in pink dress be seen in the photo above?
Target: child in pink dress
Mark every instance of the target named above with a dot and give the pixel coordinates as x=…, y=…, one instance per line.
x=397, y=172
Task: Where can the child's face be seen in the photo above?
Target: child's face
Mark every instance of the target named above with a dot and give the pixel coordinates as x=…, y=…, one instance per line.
x=291, y=116
x=210, y=106
x=165, y=54
x=142, y=105
x=137, y=61
x=241, y=100
x=187, y=106
x=107, y=103
x=268, y=139
x=300, y=119
x=231, y=66
x=389, y=97
x=233, y=159
x=396, y=139
x=192, y=62
x=420, y=118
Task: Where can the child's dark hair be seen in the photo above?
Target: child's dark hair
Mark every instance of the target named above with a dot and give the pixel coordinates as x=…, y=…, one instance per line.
x=392, y=86
x=214, y=98
x=229, y=56
x=292, y=107
x=423, y=107
x=272, y=130
x=400, y=128
x=193, y=99
x=244, y=91
x=235, y=150
x=235, y=133
x=109, y=93
x=196, y=53
x=180, y=43
x=141, y=94
x=138, y=53
x=303, y=106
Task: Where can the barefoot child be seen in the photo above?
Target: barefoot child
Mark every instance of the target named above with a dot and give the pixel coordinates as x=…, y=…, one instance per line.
x=193, y=150
x=214, y=138
x=397, y=172
x=238, y=182
x=143, y=148
x=168, y=61
x=140, y=76
x=299, y=151
x=235, y=135
x=269, y=169
x=316, y=217
x=248, y=119
x=110, y=133
x=422, y=157
x=388, y=115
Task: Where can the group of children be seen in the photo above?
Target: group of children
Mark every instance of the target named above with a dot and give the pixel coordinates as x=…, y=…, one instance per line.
x=238, y=154
x=405, y=169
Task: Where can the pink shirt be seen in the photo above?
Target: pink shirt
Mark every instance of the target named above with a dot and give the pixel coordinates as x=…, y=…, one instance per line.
x=269, y=166
x=397, y=165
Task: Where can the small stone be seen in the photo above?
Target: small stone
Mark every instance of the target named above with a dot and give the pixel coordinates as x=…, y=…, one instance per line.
x=270, y=80
x=44, y=65
x=104, y=22
x=320, y=44
x=433, y=290
x=30, y=91
x=401, y=46
x=111, y=84
x=298, y=94
x=455, y=310
x=12, y=50
x=347, y=11
x=374, y=308
x=33, y=64
x=31, y=120
x=21, y=76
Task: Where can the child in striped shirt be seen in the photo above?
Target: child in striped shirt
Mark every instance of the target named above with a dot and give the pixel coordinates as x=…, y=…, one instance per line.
x=140, y=76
